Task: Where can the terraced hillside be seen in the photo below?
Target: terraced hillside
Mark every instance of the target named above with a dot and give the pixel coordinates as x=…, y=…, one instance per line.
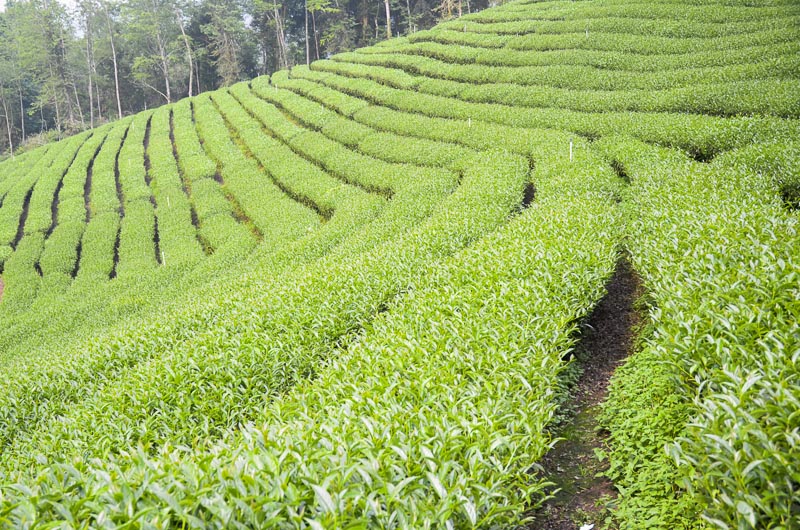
x=345, y=296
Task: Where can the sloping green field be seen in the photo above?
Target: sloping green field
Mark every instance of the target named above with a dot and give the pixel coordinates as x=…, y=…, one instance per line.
x=342, y=296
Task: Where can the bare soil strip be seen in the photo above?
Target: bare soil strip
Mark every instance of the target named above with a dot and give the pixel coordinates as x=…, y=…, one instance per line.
x=148, y=180
x=236, y=209
x=186, y=185
x=22, y=218
x=121, y=209
x=324, y=213
x=580, y=495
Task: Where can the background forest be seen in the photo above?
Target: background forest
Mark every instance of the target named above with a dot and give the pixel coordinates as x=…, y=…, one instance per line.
x=65, y=68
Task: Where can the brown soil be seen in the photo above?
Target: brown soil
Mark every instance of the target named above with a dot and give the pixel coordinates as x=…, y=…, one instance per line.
x=581, y=494
x=26, y=204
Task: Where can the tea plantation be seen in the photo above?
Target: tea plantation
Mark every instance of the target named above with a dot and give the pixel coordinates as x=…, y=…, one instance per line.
x=344, y=296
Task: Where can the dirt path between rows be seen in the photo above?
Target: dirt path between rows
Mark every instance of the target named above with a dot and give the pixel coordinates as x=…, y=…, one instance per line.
x=572, y=464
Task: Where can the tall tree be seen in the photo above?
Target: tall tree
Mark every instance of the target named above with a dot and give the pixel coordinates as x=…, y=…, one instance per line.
x=6, y=115
x=305, y=14
x=152, y=32
x=388, y=19
x=189, y=54
x=225, y=33
x=87, y=8
x=64, y=69
x=316, y=7
x=40, y=30
x=106, y=11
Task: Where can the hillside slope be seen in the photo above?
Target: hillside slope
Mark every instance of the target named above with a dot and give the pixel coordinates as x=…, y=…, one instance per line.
x=343, y=296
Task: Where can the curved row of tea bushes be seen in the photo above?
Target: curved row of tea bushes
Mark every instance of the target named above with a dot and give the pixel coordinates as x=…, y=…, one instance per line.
x=603, y=60
x=276, y=217
x=301, y=179
x=608, y=42
x=99, y=245
x=58, y=261
x=371, y=159
x=413, y=200
x=218, y=226
x=310, y=114
x=433, y=417
x=709, y=402
x=21, y=274
x=44, y=199
x=576, y=77
x=103, y=194
x=375, y=143
x=15, y=191
x=775, y=97
x=720, y=99
x=99, y=249
x=624, y=25
x=698, y=11
x=137, y=255
x=17, y=167
x=703, y=136
x=177, y=234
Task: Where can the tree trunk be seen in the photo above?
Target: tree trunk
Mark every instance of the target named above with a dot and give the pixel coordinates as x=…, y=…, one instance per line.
x=114, y=59
x=58, y=114
x=61, y=65
x=97, y=98
x=283, y=56
x=8, y=121
x=89, y=70
x=91, y=88
x=162, y=53
x=55, y=103
x=78, y=103
x=188, y=50
x=21, y=109
x=308, y=55
x=314, y=27
x=388, y=20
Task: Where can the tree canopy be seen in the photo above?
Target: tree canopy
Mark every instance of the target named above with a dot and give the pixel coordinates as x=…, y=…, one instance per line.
x=64, y=69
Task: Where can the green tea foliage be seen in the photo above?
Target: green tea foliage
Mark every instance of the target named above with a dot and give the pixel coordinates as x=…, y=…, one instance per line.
x=722, y=344
x=344, y=296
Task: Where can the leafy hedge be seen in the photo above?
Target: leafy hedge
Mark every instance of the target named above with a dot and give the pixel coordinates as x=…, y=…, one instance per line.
x=719, y=358
x=320, y=300
x=472, y=447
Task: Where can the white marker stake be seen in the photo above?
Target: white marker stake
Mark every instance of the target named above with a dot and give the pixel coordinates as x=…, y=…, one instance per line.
x=570, y=149
x=163, y=259
x=469, y=122
x=168, y=206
